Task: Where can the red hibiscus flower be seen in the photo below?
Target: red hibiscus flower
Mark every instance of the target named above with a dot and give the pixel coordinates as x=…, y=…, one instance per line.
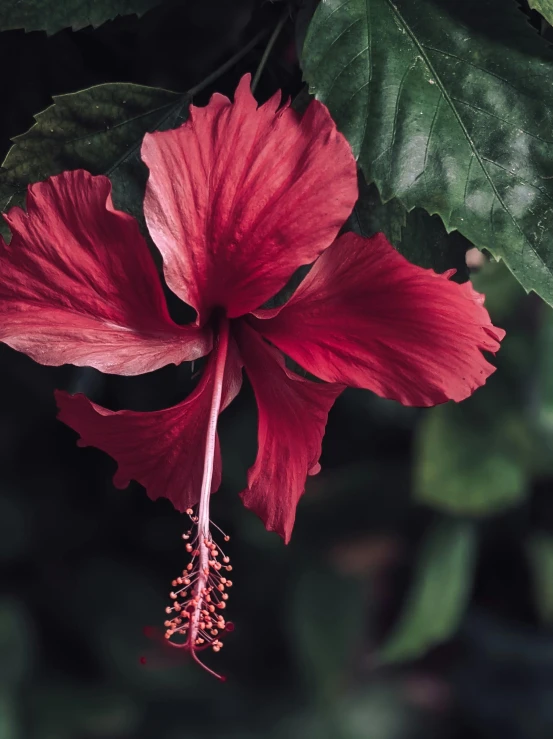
x=237, y=199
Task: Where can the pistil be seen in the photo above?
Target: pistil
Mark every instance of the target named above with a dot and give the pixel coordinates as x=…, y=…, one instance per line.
x=200, y=592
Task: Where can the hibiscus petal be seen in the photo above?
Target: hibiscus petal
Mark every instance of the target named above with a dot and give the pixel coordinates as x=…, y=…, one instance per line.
x=292, y=415
x=367, y=317
x=163, y=450
x=238, y=197
x=79, y=285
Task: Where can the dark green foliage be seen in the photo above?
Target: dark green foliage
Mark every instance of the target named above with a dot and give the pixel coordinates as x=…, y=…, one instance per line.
x=100, y=130
x=431, y=96
x=51, y=16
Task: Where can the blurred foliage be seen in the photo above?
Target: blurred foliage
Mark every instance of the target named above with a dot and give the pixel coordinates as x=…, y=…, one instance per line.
x=439, y=594
x=540, y=554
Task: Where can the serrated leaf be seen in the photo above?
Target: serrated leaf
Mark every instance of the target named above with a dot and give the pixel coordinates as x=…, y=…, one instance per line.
x=99, y=129
x=53, y=15
x=545, y=7
x=420, y=237
x=439, y=594
x=448, y=104
x=540, y=556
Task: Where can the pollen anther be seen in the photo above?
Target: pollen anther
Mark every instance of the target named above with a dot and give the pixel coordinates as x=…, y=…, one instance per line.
x=194, y=623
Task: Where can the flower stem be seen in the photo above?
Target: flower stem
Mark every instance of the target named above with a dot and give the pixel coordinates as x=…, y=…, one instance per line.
x=204, y=536
x=278, y=28
x=227, y=65
x=220, y=362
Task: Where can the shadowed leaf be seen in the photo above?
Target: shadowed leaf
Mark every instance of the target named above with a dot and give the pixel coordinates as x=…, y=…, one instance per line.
x=99, y=129
x=53, y=15
x=420, y=237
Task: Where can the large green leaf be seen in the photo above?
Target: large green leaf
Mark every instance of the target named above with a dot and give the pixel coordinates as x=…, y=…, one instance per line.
x=53, y=15
x=98, y=129
x=545, y=7
x=448, y=104
x=417, y=235
x=439, y=594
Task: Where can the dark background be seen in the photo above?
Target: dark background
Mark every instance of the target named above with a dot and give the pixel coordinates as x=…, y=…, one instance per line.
x=86, y=569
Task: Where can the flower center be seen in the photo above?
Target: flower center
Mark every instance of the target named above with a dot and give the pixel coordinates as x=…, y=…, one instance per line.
x=196, y=619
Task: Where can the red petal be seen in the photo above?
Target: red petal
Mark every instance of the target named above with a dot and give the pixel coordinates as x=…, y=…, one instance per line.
x=239, y=197
x=162, y=450
x=292, y=415
x=367, y=317
x=79, y=285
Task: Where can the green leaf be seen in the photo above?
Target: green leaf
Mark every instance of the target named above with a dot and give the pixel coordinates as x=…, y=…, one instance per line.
x=326, y=629
x=540, y=556
x=99, y=129
x=420, y=237
x=9, y=728
x=16, y=642
x=448, y=104
x=439, y=594
x=469, y=459
x=545, y=7
x=53, y=15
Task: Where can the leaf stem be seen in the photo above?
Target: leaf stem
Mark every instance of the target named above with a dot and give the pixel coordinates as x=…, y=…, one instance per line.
x=228, y=64
x=278, y=28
